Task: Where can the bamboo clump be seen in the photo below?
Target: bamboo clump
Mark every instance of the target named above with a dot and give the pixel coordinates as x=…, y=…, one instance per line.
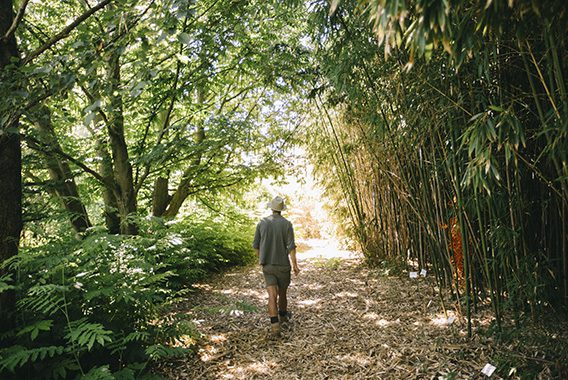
x=418, y=155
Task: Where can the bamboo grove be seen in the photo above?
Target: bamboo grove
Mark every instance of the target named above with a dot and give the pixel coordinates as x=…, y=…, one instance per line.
x=442, y=133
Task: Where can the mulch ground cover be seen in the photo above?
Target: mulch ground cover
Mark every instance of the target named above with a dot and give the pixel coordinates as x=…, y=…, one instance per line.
x=352, y=322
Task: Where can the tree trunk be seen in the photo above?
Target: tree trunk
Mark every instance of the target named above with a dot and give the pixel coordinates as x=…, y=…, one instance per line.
x=121, y=164
x=10, y=171
x=160, y=196
x=60, y=173
x=184, y=187
x=112, y=219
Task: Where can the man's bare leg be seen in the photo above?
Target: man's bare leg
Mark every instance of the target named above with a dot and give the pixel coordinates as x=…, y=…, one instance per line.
x=272, y=300
x=273, y=309
x=282, y=299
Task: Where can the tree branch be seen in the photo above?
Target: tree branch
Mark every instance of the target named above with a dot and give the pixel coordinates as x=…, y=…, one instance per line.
x=37, y=145
x=19, y=16
x=65, y=32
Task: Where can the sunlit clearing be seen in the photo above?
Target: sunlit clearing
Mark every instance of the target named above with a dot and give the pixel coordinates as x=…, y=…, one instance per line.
x=306, y=207
x=324, y=249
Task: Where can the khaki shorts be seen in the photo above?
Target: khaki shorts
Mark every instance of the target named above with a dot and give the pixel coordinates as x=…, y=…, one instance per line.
x=276, y=275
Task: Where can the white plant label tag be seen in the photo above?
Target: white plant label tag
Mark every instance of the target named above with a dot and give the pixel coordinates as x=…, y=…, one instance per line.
x=451, y=319
x=488, y=370
x=413, y=274
x=423, y=272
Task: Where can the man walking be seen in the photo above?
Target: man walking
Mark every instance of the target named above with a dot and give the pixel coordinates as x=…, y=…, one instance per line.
x=275, y=247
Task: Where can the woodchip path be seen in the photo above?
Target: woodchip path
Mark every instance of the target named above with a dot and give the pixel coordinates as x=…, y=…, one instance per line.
x=349, y=322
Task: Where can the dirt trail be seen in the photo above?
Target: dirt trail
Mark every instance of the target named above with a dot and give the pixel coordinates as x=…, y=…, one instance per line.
x=350, y=322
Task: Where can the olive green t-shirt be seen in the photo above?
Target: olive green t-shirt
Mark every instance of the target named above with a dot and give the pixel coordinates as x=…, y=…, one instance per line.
x=274, y=237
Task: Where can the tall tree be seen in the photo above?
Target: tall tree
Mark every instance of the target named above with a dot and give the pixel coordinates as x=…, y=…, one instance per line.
x=12, y=105
x=10, y=158
x=62, y=178
x=144, y=127
x=121, y=163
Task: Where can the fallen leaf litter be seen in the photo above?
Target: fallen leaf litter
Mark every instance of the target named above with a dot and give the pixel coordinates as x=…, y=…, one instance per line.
x=349, y=322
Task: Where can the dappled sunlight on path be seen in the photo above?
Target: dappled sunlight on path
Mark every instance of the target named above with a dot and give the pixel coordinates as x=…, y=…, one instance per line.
x=349, y=323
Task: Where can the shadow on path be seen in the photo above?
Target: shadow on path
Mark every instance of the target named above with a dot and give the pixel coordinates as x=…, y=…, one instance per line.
x=349, y=323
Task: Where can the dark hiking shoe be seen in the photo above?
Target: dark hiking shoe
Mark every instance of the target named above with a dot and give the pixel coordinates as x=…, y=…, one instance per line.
x=286, y=318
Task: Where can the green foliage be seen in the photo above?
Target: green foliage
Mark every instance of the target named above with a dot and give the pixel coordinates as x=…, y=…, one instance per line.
x=210, y=66
x=159, y=351
x=16, y=356
x=45, y=299
x=99, y=306
x=461, y=28
x=35, y=328
x=190, y=95
x=5, y=281
x=99, y=373
x=390, y=266
x=450, y=132
x=86, y=334
x=195, y=247
x=523, y=341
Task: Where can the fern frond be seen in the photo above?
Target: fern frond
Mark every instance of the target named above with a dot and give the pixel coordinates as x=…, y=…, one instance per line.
x=121, y=344
x=159, y=351
x=95, y=293
x=158, y=278
x=98, y=373
x=35, y=328
x=5, y=283
x=11, y=263
x=46, y=299
x=86, y=334
x=17, y=356
x=125, y=374
x=63, y=367
x=136, y=336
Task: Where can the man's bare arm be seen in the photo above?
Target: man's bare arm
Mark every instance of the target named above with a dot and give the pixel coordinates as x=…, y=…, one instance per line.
x=294, y=262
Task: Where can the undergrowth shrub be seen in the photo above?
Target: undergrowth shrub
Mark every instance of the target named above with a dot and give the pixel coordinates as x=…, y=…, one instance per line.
x=99, y=308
